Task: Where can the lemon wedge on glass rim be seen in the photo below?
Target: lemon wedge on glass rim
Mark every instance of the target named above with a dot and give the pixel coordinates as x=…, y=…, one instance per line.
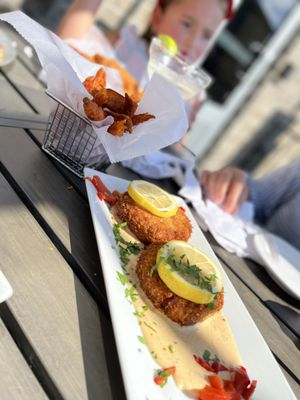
x=169, y=43
x=188, y=272
x=152, y=198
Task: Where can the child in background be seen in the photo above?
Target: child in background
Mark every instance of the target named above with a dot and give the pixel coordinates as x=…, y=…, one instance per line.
x=276, y=197
x=191, y=23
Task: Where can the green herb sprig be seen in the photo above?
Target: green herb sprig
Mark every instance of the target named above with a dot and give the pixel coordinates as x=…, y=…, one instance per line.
x=125, y=248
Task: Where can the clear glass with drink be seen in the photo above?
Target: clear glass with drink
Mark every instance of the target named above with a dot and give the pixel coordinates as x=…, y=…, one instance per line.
x=187, y=78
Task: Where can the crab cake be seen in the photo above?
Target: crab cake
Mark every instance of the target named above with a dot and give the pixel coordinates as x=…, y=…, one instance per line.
x=149, y=228
x=182, y=311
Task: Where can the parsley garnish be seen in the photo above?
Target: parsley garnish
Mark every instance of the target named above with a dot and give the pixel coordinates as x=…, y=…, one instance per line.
x=142, y=339
x=212, y=304
x=131, y=293
x=122, y=278
x=191, y=273
x=170, y=347
x=150, y=327
x=125, y=248
x=142, y=313
x=207, y=356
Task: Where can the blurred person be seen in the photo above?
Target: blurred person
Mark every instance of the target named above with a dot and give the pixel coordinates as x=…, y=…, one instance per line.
x=46, y=12
x=275, y=196
x=191, y=23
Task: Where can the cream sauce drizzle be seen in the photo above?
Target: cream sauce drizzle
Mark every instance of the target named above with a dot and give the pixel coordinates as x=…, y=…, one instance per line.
x=173, y=345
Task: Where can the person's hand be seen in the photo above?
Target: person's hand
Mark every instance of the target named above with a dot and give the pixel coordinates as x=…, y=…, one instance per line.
x=226, y=187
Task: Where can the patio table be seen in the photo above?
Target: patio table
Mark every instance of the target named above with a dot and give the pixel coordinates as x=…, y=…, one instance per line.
x=56, y=337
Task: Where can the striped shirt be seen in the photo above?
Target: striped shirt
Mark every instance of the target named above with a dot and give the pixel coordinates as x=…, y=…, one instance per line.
x=276, y=199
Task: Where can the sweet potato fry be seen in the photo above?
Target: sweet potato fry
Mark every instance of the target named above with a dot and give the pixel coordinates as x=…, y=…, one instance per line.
x=121, y=117
x=92, y=110
x=96, y=82
x=129, y=106
x=139, y=118
x=108, y=102
x=117, y=128
x=114, y=101
x=100, y=96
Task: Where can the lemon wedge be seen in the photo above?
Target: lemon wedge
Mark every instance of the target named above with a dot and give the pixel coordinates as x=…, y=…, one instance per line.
x=188, y=272
x=152, y=198
x=169, y=43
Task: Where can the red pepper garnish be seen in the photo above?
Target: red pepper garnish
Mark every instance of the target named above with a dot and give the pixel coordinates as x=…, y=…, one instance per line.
x=216, y=381
x=241, y=379
x=217, y=366
x=238, y=388
x=103, y=192
x=162, y=375
x=203, y=363
x=248, y=392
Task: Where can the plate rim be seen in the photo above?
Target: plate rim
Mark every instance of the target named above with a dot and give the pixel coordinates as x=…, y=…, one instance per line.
x=268, y=262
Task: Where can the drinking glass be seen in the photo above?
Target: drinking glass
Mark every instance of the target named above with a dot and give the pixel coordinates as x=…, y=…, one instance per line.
x=188, y=79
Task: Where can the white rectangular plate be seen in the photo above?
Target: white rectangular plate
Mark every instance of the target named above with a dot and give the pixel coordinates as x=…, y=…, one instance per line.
x=137, y=365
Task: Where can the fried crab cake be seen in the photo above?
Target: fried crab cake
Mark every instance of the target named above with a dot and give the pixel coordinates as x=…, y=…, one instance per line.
x=149, y=228
x=182, y=311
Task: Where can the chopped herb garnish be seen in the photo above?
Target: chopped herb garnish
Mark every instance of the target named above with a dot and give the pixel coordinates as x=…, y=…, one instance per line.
x=131, y=293
x=122, y=278
x=153, y=269
x=142, y=313
x=125, y=248
x=206, y=356
x=212, y=304
x=155, y=266
x=191, y=273
x=142, y=339
x=162, y=375
x=170, y=347
x=150, y=327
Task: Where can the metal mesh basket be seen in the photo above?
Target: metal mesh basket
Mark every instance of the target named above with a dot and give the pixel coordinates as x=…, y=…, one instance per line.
x=71, y=140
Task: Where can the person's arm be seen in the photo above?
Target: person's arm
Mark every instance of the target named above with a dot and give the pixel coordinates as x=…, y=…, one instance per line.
x=78, y=19
x=273, y=190
x=226, y=187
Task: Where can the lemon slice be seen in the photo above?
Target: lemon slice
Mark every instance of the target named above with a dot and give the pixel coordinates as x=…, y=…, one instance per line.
x=152, y=198
x=169, y=43
x=188, y=272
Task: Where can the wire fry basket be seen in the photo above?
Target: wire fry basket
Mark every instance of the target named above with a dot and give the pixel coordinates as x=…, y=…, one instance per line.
x=71, y=140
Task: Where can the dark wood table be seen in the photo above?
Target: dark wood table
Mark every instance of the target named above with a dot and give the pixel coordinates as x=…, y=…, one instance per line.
x=56, y=338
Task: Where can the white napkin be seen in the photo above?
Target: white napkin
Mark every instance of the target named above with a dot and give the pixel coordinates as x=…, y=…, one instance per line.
x=233, y=232
x=66, y=70
x=5, y=288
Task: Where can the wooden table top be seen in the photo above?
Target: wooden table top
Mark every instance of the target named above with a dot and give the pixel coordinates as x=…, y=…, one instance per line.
x=56, y=338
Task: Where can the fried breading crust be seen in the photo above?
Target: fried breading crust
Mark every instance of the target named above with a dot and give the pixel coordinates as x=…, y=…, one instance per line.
x=149, y=228
x=182, y=311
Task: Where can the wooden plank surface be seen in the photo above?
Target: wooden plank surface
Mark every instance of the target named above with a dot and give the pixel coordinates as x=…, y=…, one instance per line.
x=62, y=323
x=28, y=86
x=11, y=101
x=17, y=380
x=59, y=206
